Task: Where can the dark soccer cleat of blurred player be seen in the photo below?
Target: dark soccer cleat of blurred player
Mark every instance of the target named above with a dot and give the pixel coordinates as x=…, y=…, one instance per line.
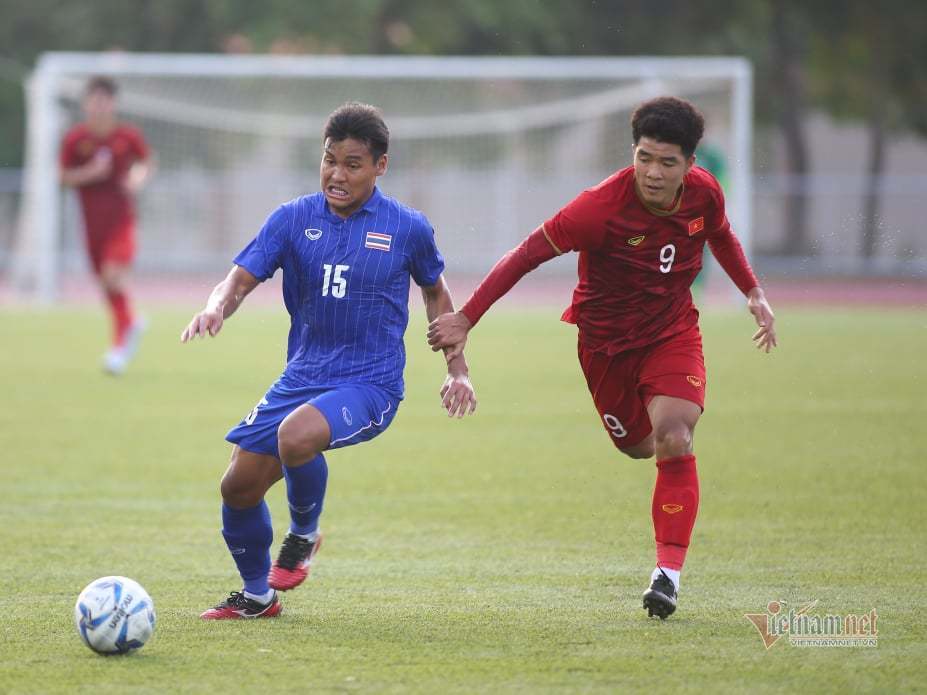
x=640, y=235
x=108, y=162
x=348, y=254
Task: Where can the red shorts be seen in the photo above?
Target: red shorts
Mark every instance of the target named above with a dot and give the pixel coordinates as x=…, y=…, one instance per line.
x=116, y=245
x=622, y=385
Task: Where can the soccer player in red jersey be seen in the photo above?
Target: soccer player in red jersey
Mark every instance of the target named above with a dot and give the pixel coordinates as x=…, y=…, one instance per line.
x=108, y=162
x=640, y=235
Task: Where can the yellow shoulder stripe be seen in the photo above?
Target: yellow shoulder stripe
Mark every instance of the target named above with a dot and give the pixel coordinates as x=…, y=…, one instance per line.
x=550, y=241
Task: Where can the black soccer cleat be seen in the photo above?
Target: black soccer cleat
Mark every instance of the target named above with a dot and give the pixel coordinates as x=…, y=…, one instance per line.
x=660, y=598
x=294, y=562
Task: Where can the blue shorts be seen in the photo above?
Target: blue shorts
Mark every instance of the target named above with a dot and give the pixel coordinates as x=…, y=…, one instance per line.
x=355, y=414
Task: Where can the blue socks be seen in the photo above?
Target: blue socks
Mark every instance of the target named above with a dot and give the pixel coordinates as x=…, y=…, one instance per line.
x=248, y=534
x=305, y=491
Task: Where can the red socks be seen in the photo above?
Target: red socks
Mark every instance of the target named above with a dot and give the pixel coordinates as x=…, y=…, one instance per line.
x=122, y=315
x=675, y=506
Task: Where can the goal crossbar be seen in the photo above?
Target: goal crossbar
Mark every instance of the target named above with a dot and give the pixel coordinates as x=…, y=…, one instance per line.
x=36, y=258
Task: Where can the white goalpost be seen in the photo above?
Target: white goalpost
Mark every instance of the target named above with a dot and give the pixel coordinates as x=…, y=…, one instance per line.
x=486, y=147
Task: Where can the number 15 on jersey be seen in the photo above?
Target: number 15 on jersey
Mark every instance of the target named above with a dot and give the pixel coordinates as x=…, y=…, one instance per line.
x=334, y=280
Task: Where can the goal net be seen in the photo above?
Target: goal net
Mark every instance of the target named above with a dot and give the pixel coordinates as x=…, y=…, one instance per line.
x=486, y=147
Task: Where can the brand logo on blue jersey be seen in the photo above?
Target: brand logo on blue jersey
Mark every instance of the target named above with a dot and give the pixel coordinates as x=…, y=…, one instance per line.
x=313, y=234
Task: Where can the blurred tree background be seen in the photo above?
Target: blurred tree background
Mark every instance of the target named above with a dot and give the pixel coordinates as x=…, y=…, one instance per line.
x=854, y=60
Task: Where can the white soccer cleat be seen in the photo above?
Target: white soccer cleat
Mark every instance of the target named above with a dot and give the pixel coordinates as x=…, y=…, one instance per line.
x=117, y=358
x=134, y=337
x=115, y=361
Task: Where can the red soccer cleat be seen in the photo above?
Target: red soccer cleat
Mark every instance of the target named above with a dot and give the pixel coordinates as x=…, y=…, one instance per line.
x=238, y=606
x=293, y=562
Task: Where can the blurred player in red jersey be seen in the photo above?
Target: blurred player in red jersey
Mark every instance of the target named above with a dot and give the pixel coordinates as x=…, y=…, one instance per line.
x=108, y=163
x=640, y=235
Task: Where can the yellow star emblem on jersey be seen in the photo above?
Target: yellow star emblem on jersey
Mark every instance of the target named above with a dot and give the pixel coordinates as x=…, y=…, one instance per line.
x=635, y=240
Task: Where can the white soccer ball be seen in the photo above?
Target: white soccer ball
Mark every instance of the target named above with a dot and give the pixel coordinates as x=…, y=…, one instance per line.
x=114, y=615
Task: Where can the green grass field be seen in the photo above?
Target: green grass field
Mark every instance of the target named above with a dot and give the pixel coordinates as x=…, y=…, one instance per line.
x=502, y=553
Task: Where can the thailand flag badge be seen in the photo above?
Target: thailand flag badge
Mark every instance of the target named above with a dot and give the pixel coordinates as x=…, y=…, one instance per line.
x=375, y=240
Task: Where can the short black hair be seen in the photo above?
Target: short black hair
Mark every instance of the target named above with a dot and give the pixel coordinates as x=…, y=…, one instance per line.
x=361, y=122
x=669, y=119
x=100, y=83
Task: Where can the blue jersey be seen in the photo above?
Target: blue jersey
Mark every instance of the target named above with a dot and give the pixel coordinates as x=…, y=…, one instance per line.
x=346, y=286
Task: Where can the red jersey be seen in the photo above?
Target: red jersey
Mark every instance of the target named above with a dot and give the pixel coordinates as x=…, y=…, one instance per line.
x=106, y=205
x=636, y=263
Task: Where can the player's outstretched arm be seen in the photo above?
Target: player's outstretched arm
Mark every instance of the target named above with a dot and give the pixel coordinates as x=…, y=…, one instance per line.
x=765, y=337
x=448, y=331
x=222, y=303
x=457, y=394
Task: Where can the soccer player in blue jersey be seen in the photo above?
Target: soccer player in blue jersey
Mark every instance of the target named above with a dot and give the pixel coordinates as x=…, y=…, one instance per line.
x=347, y=254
